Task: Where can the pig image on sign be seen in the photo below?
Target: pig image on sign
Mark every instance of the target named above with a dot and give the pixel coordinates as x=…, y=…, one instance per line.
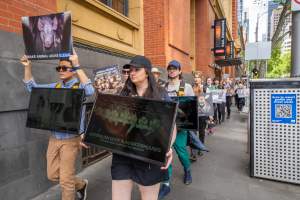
x=47, y=36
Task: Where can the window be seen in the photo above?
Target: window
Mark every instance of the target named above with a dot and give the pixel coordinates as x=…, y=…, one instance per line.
x=119, y=5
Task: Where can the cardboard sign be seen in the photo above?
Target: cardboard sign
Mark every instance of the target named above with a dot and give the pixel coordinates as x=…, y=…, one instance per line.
x=55, y=109
x=135, y=127
x=108, y=80
x=47, y=36
x=242, y=93
x=187, y=114
x=219, y=96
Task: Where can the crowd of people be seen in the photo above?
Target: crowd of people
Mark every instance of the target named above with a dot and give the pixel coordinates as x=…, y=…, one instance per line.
x=142, y=80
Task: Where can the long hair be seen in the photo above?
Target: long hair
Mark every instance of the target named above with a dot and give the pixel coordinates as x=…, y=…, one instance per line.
x=154, y=91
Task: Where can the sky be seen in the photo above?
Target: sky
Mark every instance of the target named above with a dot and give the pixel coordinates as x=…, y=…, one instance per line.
x=257, y=8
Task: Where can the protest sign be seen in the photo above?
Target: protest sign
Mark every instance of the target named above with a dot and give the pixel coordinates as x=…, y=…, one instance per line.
x=187, y=114
x=205, y=105
x=134, y=127
x=47, y=36
x=55, y=109
x=108, y=79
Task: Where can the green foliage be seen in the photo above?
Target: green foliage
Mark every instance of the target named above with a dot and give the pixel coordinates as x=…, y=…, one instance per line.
x=280, y=64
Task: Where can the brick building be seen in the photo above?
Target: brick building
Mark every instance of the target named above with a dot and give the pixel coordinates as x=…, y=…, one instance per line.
x=181, y=30
x=23, y=150
x=109, y=32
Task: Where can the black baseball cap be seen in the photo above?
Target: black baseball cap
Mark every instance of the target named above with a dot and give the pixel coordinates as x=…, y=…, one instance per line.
x=139, y=62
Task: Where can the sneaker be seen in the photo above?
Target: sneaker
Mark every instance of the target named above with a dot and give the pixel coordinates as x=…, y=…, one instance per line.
x=187, y=177
x=193, y=158
x=200, y=153
x=164, y=190
x=81, y=194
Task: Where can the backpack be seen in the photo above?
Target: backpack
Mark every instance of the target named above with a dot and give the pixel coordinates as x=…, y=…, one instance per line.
x=180, y=91
x=74, y=86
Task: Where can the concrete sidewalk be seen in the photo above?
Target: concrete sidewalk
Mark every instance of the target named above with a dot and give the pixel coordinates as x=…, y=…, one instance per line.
x=221, y=174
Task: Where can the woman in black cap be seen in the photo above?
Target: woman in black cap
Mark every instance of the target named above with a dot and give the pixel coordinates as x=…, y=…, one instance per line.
x=124, y=170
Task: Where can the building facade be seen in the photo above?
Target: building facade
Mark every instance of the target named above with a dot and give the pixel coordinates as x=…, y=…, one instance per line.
x=271, y=6
x=286, y=40
x=182, y=30
x=104, y=33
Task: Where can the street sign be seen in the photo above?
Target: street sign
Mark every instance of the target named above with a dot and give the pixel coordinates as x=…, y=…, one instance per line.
x=295, y=5
x=258, y=51
x=220, y=37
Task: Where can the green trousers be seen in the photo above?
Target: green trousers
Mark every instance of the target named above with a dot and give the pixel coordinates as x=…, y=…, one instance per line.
x=180, y=148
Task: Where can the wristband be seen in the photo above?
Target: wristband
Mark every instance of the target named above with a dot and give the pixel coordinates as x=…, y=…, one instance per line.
x=74, y=69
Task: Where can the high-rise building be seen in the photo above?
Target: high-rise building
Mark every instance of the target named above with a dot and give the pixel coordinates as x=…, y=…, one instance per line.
x=271, y=6
x=240, y=8
x=286, y=41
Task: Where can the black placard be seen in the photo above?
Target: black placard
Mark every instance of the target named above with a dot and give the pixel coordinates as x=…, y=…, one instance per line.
x=55, y=109
x=187, y=114
x=220, y=37
x=135, y=127
x=47, y=36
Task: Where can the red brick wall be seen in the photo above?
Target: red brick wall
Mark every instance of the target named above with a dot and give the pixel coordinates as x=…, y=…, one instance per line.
x=178, y=34
x=11, y=12
x=204, y=38
x=154, y=31
x=234, y=20
x=164, y=38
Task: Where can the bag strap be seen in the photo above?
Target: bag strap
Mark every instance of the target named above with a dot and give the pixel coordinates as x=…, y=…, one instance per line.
x=74, y=86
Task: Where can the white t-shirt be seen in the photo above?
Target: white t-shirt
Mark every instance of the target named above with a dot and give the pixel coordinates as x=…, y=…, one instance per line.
x=172, y=89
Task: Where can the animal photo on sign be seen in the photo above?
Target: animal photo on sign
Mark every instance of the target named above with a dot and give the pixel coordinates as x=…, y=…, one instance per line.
x=47, y=36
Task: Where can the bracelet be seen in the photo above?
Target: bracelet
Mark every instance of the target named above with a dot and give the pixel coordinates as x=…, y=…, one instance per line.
x=75, y=68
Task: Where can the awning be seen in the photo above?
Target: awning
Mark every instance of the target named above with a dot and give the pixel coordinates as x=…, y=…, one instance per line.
x=229, y=62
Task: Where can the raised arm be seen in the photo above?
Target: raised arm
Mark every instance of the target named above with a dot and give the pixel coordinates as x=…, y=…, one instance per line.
x=27, y=68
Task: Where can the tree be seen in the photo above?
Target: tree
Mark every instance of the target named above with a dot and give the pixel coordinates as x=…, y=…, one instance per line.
x=280, y=64
x=278, y=35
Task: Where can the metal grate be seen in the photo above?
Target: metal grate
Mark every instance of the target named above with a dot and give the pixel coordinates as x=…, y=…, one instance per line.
x=276, y=146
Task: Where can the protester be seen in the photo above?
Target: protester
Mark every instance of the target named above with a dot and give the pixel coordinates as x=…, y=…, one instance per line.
x=240, y=96
x=63, y=148
x=157, y=73
x=198, y=90
x=229, y=93
x=177, y=87
x=208, y=88
x=218, y=105
x=125, y=72
x=198, y=86
x=124, y=170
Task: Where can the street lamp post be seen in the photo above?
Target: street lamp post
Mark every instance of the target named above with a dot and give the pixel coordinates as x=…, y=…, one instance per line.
x=295, y=71
x=256, y=40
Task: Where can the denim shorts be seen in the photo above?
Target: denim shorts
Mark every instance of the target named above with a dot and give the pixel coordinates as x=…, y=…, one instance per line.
x=143, y=173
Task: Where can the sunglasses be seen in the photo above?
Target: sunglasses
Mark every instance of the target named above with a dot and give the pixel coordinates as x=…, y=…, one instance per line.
x=125, y=72
x=62, y=68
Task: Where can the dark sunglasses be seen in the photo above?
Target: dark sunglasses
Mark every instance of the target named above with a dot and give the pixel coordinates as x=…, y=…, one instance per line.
x=125, y=71
x=62, y=68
